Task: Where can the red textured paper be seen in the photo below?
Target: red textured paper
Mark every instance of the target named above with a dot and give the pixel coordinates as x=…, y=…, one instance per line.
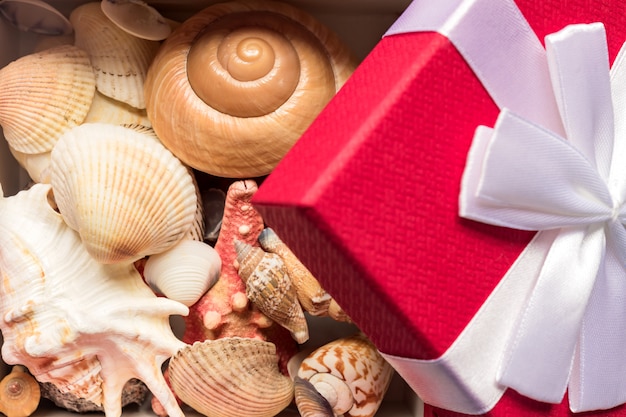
x=368, y=198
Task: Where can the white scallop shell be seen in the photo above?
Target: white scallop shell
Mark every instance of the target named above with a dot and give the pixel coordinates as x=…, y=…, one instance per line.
x=124, y=193
x=64, y=315
x=185, y=272
x=120, y=60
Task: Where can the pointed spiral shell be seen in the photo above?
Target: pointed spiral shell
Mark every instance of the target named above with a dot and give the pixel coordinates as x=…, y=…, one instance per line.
x=235, y=86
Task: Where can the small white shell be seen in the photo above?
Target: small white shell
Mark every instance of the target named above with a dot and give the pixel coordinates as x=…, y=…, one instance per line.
x=37, y=165
x=231, y=377
x=185, y=272
x=120, y=60
x=124, y=193
x=137, y=18
x=107, y=110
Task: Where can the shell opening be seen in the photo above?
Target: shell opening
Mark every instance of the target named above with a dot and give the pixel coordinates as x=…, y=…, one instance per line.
x=335, y=390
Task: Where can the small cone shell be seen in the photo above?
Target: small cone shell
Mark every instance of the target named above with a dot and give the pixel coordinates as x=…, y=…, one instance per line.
x=269, y=287
x=313, y=298
x=349, y=373
x=231, y=377
x=43, y=95
x=120, y=60
x=122, y=191
x=19, y=393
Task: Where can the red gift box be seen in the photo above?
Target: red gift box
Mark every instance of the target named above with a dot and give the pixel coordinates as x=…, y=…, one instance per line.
x=368, y=198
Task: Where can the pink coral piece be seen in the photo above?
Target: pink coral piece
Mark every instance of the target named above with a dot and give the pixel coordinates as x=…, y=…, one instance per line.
x=225, y=311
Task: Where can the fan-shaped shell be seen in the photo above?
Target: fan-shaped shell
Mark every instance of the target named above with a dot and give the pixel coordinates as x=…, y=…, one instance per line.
x=64, y=315
x=122, y=191
x=234, y=87
x=231, y=377
x=185, y=272
x=43, y=95
x=349, y=373
x=269, y=287
x=120, y=60
x=19, y=393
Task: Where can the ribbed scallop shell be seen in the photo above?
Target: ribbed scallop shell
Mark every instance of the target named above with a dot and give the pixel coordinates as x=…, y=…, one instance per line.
x=234, y=87
x=67, y=317
x=269, y=287
x=349, y=373
x=44, y=94
x=231, y=377
x=185, y=272
x=120, y=60
x=125, y=194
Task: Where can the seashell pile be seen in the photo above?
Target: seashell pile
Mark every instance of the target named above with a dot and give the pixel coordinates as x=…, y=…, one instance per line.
x=139, y=211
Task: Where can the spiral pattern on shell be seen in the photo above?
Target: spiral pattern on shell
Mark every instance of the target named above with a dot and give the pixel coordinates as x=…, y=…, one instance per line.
x=235, y=86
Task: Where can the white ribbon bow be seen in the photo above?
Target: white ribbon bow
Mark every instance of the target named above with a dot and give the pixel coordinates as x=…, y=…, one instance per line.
x=557, y=320
x=520, y=175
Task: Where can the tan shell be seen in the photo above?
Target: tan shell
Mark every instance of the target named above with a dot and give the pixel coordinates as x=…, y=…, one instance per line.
x=44, y=94
x=231, y=377
x=269, y=287
x=283, y=68
x=107, y=110
x=122, y=191
x=120, y=60
x=348, y=374
x=36, y=164
x=19, y=393
x=313, y=298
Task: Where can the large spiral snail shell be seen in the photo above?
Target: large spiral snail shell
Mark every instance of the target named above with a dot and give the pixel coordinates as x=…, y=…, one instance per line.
x=234, y=87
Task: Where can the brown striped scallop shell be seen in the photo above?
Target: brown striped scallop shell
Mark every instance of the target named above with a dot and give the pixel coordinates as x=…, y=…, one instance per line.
x=231, y=377
x=234, y=87
x=43, y=95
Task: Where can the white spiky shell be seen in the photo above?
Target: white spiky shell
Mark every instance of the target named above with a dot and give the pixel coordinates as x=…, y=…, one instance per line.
x=44, y=94
x=348, y=375
x=120, y=60
x=62, y=310
x=269, y=287
x=185, y=272
x=124, y=193
x=231, y=377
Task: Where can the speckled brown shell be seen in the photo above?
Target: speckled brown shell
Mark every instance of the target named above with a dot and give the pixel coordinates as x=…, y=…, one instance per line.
x=269, y=287
x=264, y=71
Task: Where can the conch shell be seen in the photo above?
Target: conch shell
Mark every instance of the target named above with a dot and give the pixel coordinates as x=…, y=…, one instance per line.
x=313, y=298
x=124, y=193
x=19, y=393
x=120, y=60
x=231, y=377
x=233, y=88
x=347, y=376
x=65, y=314
x=43, y=95
x=269, y=287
